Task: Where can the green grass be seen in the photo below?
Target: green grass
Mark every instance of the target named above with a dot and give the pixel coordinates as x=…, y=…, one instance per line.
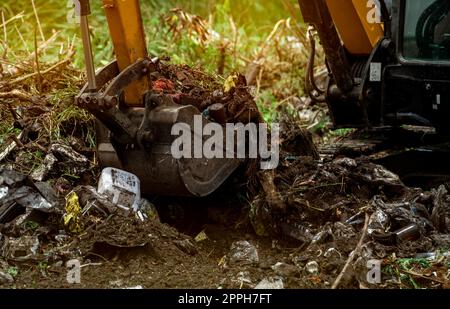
x=238, y=32
x=253, y=19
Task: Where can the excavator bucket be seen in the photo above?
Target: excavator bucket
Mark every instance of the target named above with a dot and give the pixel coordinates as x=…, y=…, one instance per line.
x=135, y=123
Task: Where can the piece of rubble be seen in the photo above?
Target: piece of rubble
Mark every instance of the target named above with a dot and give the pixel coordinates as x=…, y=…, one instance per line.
x=441, y=240
x=380, y=176
x=243, y=253
x=285, y=270
x=69, y=154
x=43, y=170
x=6, y=278
x=242, y=278
x=270, y=284
x=440, y=209
x=346, y=162
x=22, y=248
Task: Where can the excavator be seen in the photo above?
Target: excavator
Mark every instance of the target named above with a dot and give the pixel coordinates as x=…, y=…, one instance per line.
x=388, y=65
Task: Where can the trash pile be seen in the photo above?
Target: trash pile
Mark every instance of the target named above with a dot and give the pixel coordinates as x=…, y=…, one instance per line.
x=354, y=211
x=311, y=223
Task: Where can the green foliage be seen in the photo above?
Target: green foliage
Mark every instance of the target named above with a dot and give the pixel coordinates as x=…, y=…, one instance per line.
x=13, y=271
x=251, y=17
x=267, y=104
x=408, y=264
x=31, y=225
x=237, y=35
x=341, y=132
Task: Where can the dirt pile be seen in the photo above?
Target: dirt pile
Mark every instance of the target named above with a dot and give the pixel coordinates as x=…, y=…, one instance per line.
x=346, y=209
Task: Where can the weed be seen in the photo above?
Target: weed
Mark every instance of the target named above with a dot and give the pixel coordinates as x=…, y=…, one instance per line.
x=13, y=271
x=31, y=225
x=408, y=264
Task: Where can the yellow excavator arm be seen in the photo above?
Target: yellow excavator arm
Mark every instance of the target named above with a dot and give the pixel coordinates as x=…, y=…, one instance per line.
x=128, y=38
x=358, y=24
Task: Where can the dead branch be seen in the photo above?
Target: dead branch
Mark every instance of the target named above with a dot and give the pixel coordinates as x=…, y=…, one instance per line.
x=353, y=254
x=53, y=67
x=43, y=46
x=15, y=94
x=10, y=148
x=37, y=20
x=18, y=16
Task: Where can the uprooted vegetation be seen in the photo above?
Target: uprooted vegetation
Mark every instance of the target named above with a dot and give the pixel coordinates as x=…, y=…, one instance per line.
x=314, y=222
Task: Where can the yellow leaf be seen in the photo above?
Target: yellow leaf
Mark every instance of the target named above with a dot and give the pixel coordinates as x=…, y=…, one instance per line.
x=230, y=82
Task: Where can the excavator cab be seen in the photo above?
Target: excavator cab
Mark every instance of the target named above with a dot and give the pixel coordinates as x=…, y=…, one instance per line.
x=417, y=80
x=389, y=61
x=426, y=32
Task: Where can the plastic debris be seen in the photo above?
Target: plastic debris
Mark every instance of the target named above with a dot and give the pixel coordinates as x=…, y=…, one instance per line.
x=73, y=212
x=147, y=211
x=121, y=188
x=322, y=236
x=29, y=198
x=312, y=267
x=332, y=252
x=11, y=178
x=433, y=256
x=243, y=253
x=270, y=284
x=378, y=222
x=94, y=203
x=408, y=233
x=3, y=192
x=201, y=236
x=230, y=82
